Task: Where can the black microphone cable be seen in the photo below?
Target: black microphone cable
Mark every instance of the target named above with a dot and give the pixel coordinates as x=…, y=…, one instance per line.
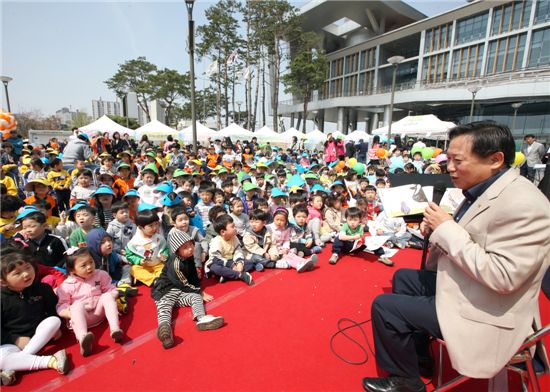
x=342, y=330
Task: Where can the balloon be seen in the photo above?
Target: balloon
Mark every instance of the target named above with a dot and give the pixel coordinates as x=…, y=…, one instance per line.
x=340, y=166
x=381, y=153
x=359, y=168
x=7, y=121
x=415, y=150
x=352, y=162
x=437, y=151
x=519, y=159
x=427, y=153
x=387, y=154
x=441, y=158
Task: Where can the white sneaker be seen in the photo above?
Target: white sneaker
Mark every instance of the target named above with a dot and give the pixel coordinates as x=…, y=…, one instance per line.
x=282, y=264
x=307, y=265
x=209, y=322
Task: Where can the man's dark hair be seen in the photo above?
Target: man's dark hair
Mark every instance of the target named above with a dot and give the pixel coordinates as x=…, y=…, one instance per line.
x=221, y=223
x=353, y=212
x=260, y=215
x=529, y=135
x=488, y=138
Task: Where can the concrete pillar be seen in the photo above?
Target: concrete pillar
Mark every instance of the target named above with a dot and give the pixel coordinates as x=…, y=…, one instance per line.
x=386, y=115
x=374, y=122
x=321, y=120
x=341, y=119
x=353, y=119
x=291, y=120
x=368, y=122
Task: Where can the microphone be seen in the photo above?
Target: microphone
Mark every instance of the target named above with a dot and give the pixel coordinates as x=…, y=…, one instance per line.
x=439, y=191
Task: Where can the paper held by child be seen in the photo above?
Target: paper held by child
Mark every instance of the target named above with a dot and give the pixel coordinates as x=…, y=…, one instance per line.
x=413, y=199
x=371, y=242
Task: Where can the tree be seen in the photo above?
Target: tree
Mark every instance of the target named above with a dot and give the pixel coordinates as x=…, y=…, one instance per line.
x=171, y=86
x=79, y=120
x=132, y=122
x=218, y=39
x=272, y=22
x=35, y=120
x=136, y=76
x=205, y=106
x=307, y=70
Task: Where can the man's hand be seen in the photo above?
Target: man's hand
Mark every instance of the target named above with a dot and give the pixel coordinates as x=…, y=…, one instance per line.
x=433, y=217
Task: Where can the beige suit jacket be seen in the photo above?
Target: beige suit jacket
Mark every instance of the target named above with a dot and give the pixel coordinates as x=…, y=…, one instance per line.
x=489, y=270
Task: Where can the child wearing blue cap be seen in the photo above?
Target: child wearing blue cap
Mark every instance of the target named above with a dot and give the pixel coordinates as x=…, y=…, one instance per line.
x=84, y=216
x=103, y=200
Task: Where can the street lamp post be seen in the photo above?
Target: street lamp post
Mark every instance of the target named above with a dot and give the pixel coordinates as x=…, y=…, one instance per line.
x=515, y=106
x=395, y=61
x=474, y=90
x=189, y=4
x=6, y=80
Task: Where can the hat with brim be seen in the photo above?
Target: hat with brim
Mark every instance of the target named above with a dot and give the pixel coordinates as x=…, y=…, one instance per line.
x=295, y=188
x=131, y=193
x=248, y=186
x=337, y=182
x=179, y=173
x=45, y=160
x=79, y=205
x=268, y=177
x=120, y=154
x=242, y=176
x=223, y=170
x=276, y=192
x=152, y=168
x=295, y=180
x=26, y=211
x=105, y=155
x=196, y=174
x=318, y=188
x=311, y=176
x=30, y=185
x=151, y=154
x=104, y=190
x=124, y=166
x=171, y=201
x=165, y=187
x=197, y=162
x=146, y=207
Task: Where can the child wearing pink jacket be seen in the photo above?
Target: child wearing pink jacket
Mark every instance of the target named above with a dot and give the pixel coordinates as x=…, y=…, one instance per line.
x=281, y=239
x=86, y=298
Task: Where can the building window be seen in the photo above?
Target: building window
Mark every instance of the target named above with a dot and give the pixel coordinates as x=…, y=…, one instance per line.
x=467, y=62
x=542, y=14
x=539, y=53
x=511, y=17
x=352, y=63
x=366, y=83
x=435, y=68
x=438, y=38
x=505, y=54
x=471, y=29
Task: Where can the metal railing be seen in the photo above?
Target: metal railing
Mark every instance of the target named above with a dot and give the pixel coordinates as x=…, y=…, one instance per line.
x=520, y=76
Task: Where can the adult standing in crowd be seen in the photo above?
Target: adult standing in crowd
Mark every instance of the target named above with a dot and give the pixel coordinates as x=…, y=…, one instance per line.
x=330, y=149
x=117, y=145
x=480, y=289
x=144, y=143
x=534, y=152
x=350, y=149
x=76, y=149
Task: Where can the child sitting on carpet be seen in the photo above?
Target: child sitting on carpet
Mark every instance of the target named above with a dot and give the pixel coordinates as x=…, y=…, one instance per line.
x=179, y=285
x=226, y=258
x=147, y=249
x=86, y=298
x=29, y=320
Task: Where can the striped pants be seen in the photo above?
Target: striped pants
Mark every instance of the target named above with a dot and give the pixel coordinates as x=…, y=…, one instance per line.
x=176, y=297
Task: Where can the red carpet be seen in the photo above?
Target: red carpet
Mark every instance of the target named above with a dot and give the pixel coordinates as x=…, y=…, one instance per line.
x=276, y=337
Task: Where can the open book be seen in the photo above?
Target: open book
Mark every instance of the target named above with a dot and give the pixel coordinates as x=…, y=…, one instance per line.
x=413, y=199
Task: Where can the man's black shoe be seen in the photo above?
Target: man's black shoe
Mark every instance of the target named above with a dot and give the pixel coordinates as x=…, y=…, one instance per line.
x=426, y=366
x=393, y=384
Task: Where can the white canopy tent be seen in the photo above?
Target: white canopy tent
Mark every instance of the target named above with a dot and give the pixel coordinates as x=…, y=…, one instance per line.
x=428, y=126
x=156, y=131
x=266, y=134
x=236, y=132
x=203, y=133
x=105, y=124
x=291, y=132
x=315, y=139
x=358, y=135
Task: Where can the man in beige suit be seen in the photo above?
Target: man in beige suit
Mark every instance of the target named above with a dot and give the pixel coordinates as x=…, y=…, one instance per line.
x=480, y=292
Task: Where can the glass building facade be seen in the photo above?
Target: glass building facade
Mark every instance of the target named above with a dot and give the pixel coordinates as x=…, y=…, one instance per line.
x=489, y=45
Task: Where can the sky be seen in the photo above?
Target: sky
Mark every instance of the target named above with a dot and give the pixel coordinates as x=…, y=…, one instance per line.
x=60, y=53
